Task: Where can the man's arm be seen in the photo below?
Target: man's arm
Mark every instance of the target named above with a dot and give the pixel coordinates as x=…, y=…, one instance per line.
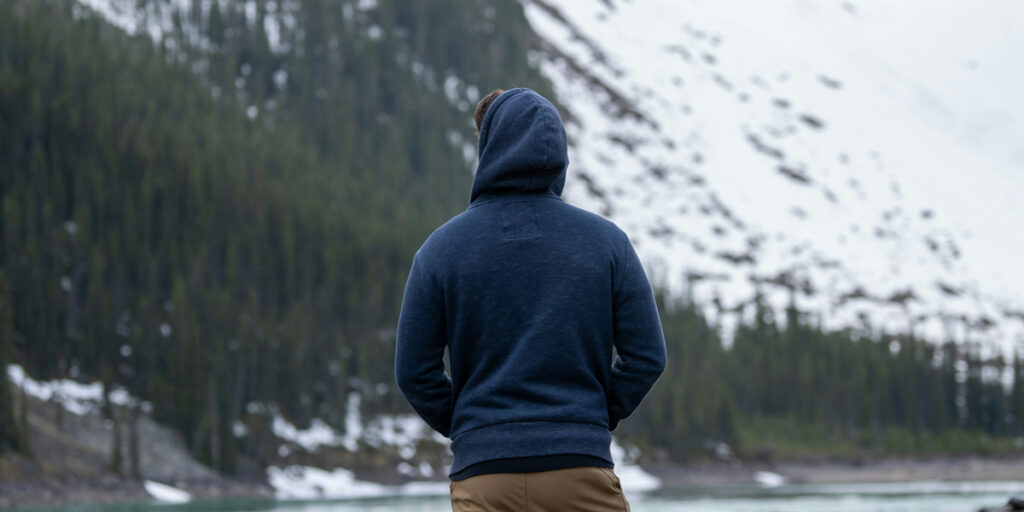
x=419, y=351
x=639, y=340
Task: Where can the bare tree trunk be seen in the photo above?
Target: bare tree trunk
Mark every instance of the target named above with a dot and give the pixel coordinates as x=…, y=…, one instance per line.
x=133, y=440
x=8, y=420
x=11, y=432
x=115, y=449
x=215, y=452
x=106, y=376
x=58, y=410
x=24, y=437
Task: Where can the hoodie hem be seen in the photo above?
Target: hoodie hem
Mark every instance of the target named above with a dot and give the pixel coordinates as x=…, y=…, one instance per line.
x=529, y=439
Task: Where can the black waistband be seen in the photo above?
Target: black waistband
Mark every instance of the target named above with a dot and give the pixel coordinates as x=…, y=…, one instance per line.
x=530, y=465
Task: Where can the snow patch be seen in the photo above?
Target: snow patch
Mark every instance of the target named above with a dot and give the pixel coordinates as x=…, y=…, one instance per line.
x=304, y=482
x=632, y=477
x=318, y=434
x=769, y=479
x=76, y=397
x=166, y=493
x=400, y=432
x=796, y=149
x=353, y=422
x=366, y=5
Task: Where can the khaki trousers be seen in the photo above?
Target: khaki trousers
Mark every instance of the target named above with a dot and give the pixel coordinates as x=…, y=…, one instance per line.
x=585, y=489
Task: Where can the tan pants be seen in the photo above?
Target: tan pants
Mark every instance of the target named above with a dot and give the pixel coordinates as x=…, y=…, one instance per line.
x=586, y=489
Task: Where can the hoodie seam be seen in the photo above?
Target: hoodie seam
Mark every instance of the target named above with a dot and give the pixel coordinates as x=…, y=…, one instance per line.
x=547, y=140
x=514, y=197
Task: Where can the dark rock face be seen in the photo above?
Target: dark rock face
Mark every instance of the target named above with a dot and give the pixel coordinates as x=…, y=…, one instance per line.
x=1013, y=505
x=70, y=463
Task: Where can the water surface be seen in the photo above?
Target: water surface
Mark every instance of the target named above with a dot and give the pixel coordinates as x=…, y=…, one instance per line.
x=880, y=497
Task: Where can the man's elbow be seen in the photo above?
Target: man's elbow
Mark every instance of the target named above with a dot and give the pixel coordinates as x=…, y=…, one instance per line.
x=406, y=381
x=656, y=369
x=646, y=370
x=419, y=386
x=656, y=364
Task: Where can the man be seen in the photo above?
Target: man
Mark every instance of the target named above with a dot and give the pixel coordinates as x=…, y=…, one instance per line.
x=529, y=295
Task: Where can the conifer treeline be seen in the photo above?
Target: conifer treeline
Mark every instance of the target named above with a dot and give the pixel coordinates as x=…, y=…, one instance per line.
x=209, y=222
x=228, y=217
x=790, y=388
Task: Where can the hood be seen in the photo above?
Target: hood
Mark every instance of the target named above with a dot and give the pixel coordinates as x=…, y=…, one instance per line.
x=522, y=147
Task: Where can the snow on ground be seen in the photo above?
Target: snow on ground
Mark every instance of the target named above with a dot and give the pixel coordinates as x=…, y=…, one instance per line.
x=304, y=482
x=353, y=421
x=399, y=432
x=769, y=479
x=76, y=397
x=402, y=431
x=166, y=493
x=632, y=477
x=865, y=154
x=318, y=434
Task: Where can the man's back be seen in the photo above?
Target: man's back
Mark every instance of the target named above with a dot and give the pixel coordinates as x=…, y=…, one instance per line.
x=529, y=295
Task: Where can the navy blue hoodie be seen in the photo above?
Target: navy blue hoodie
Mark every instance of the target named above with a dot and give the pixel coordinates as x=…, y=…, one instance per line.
x=529, y=295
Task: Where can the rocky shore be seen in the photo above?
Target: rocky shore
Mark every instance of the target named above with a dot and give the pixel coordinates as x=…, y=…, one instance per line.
x=55, y=491
x=71, y=464
x=894, y=469
x=108, y=489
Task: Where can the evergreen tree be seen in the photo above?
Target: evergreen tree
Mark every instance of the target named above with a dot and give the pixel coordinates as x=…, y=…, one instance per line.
x=226, y=217
x=11, y=435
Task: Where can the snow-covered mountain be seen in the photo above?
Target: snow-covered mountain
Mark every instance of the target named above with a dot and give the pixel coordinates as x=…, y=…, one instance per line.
x=863, y=157
x=859, y=157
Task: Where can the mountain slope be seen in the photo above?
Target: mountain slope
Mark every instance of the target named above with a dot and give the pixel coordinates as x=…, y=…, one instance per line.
x=806, y=151
x=225, y=214
x=213, y=206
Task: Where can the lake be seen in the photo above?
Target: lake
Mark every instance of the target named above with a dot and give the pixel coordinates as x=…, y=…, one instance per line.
x=881, y=497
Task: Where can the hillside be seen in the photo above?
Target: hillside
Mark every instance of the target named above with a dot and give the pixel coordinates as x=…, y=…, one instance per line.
x=211, y=221
x=73, y=447
x=212, y=207
x=824, y=153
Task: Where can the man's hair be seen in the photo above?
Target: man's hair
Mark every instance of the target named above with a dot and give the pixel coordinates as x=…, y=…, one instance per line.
x=483, y=105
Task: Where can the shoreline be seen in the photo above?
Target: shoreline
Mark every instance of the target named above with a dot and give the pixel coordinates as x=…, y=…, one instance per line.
x=841, y=471
x=106, y=490
x=48, y=492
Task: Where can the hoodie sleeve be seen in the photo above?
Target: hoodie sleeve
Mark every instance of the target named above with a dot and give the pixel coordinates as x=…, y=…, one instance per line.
x=639, y=341
x=419, y=351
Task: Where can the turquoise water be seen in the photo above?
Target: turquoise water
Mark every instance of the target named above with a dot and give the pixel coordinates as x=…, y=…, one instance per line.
x=883, y=497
